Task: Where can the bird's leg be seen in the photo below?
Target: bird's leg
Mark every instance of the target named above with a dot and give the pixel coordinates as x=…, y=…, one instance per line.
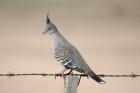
x=62, y=72
x=69, y=72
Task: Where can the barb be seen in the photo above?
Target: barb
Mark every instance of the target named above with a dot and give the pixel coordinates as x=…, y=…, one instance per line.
x=132, y=75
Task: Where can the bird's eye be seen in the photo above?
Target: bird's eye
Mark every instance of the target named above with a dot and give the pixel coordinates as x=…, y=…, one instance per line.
x=49, y=28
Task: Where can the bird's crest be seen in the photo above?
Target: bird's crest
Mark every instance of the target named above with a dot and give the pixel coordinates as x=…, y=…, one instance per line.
x=48, y=19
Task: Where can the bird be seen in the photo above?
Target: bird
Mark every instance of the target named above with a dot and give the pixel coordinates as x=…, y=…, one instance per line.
x=67, y=54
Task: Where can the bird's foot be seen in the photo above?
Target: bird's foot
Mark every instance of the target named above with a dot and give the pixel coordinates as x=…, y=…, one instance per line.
x=61, y=74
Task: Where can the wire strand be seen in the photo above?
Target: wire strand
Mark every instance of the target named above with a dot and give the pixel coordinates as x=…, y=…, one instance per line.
x=132, y=75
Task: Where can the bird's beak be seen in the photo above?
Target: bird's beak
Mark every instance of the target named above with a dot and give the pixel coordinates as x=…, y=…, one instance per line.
x=44, y=32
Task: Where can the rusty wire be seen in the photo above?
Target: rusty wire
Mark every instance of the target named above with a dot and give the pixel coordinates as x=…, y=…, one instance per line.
x=132, y=75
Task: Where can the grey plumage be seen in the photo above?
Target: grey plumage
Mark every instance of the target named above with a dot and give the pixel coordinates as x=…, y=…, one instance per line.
x=68, y=55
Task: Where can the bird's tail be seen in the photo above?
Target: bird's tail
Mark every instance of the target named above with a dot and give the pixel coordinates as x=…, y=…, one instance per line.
x=96, y=78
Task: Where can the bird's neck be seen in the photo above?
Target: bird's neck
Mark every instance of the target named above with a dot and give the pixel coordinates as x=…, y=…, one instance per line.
x=58, y=40
x=57, y=37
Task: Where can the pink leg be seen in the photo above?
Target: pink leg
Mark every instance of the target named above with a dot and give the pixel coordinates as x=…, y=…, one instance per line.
x=62, y=72
x=69, y=72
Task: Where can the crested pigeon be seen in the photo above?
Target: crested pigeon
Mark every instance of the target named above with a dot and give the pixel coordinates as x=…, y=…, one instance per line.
x=68, y=55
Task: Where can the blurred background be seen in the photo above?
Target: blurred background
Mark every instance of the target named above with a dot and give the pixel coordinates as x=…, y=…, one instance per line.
x=107, y=33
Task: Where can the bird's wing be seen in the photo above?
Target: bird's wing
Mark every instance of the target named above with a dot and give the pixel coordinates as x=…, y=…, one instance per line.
x=70, y=57
x=64, y=56
x=81, y=64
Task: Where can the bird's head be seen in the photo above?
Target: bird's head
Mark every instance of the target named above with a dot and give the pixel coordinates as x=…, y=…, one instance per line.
x=50, y=27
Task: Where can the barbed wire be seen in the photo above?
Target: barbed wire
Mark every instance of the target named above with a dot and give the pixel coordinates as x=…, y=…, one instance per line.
x=132, y=75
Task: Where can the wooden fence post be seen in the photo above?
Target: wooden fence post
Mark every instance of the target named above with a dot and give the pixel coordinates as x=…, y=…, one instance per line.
x=70, y=84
